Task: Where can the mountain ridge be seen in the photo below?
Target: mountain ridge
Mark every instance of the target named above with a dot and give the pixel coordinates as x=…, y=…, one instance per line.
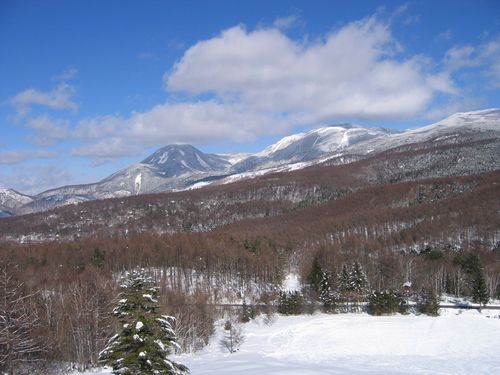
x=182, y=166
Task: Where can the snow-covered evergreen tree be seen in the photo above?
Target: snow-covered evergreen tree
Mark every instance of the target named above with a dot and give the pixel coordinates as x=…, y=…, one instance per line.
x=344, y=279
x=357, y=278
x=146, y=338
x=328, y=297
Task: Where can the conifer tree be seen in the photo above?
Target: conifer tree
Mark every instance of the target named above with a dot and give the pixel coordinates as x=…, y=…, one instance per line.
x=232, y=337
x=479, y=289
x=146, y=338
x=357, y=278
x=473, y=267
x=316, y=275
x=327, y=296
x=247, y=312
x=344, y=279
x=428, y=302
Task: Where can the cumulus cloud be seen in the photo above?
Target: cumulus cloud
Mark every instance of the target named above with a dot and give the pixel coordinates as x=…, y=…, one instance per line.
x=353, y=72
x=58, y=99
x=19, y=156
x=243, y=84
x=194, y=122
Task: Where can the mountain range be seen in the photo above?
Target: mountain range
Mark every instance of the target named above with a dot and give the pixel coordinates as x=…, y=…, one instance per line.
x=181, y=167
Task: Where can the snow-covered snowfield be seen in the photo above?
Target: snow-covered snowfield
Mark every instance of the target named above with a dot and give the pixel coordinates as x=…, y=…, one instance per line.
x=454, y=343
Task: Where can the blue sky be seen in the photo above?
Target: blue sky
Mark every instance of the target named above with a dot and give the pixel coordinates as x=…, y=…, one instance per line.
x=88, y=87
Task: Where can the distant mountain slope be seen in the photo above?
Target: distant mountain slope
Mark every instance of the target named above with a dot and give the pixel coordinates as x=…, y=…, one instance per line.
x=460, y=127
x=309, y=146
x=10, y=200
x=179, y=167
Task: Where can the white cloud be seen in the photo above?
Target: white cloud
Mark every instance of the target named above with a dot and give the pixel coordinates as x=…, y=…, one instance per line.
x=47, y=131
x=196, y=122
x=67, y=75
x=58, y=99
x=19, y=156
x=108, y=148
x=351, y=72
x=461, y=57
x=444, y=36
x=33, y=180
x=490, y=52
x=262, y=82
x=485, y=57
x=287, y=22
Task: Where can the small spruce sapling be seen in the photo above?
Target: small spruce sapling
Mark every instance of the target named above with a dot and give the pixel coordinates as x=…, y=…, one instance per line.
x=232, y=338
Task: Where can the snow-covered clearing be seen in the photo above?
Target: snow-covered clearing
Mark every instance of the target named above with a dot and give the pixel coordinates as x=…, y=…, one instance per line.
x=455, y=343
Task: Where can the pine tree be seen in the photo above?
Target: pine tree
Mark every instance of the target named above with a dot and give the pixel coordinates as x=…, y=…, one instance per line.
x=290, y=303
x=479, y=290
x=428, y=302
x=474, y=269
x=357, y=278
x=316, y=275
x=344, y=279
x=327, y=296
x=146, y=337
x=247, y=312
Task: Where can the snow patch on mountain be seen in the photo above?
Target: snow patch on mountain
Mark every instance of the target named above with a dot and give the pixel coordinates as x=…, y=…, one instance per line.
x=138, y=182
x=281, y=144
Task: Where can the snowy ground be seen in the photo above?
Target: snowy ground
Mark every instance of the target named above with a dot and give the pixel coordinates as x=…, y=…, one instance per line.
x=455, y=343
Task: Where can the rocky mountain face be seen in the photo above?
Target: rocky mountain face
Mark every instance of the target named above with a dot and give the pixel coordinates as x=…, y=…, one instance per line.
x=180, y=167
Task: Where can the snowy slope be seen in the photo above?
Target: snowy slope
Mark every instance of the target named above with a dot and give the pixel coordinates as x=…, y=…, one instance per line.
x=458, y=127
x=10, y=200
x=455, y=343
x=310, y=146
x=360, y=344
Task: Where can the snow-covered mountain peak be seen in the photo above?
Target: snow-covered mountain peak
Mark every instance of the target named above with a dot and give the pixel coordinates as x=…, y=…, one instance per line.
x=7, y=195
x=487, y=119
x=10, y=200
x=176, y=160
x=312, y=145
